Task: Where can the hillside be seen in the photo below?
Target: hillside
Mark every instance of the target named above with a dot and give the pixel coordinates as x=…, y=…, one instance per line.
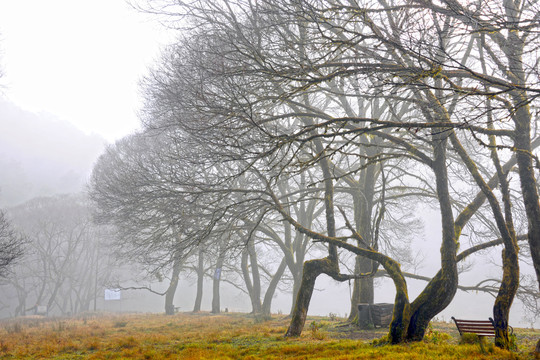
x=42, y=155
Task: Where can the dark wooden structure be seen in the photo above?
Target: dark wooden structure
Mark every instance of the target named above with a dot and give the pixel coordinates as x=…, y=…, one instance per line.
x=377, y=314
x=381, y=314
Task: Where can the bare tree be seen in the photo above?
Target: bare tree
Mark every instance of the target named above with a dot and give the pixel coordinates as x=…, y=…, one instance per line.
x=65, y=265
x=11, y=245
x=257, y=82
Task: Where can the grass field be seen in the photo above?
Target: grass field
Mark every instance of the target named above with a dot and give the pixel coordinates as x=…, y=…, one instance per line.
x=227, y=336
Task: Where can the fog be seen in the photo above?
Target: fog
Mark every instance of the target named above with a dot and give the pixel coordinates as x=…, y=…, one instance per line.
x=41, y=155
x=213, y=202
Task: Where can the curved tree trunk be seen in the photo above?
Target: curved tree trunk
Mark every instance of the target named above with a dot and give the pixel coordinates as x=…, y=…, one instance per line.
x=441, y=290
x=312, y=269
x=267, y=302
x=171, y=290
x=329, y=265
x=402, y=309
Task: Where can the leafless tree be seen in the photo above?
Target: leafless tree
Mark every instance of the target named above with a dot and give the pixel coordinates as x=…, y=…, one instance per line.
x=65, y=266
x=11, y=245
x=258, y=81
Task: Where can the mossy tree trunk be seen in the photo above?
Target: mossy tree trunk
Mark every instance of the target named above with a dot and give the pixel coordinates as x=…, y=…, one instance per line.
x=505, y=297
x=514, y=49
x=402, y=308
x=313, y=268
x=529, y=189
x=329, y=265
x=441, y=289
x=504, y=222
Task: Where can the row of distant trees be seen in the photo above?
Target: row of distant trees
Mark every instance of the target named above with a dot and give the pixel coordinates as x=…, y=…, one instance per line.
x=283, y=124
x=60, y=264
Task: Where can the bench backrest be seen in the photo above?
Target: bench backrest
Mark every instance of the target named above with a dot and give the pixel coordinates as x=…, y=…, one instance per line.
x=479, y=327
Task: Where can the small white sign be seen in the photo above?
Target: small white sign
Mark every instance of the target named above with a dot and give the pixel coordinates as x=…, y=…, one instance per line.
x=217, y=274
x=112, y=294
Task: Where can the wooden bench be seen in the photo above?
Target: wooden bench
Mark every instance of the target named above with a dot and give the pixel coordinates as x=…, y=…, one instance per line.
x=481, y=328
x=478, y=327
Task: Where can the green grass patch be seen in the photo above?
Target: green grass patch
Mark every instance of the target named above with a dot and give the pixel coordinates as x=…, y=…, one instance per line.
x=233, y=336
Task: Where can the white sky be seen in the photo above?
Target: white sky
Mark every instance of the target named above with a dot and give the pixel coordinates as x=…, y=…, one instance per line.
x=79, y=60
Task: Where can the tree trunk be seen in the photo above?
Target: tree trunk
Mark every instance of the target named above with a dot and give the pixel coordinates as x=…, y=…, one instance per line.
x=297, y=282
x=200, y=282
x=522, y=143
x=312, y=269
x=171, y=290
x=256, y=290
x=402, y=309
x=247, y=279
x=530, y=194
x=505, y=297
x=510, y=279
x=267, y=303
x=363, y=289
x=505, y=224
x=216, y=305
x=529, y=190
x=441, y=289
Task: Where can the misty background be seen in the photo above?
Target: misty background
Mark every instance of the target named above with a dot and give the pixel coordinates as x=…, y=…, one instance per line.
x=48, y=151
x=42, y=156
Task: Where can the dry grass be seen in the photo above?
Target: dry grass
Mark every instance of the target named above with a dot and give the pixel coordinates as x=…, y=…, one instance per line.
x=227, y=336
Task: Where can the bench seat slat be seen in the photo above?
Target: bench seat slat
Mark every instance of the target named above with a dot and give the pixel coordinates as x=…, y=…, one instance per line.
x=475, y=327
x=479, y=332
